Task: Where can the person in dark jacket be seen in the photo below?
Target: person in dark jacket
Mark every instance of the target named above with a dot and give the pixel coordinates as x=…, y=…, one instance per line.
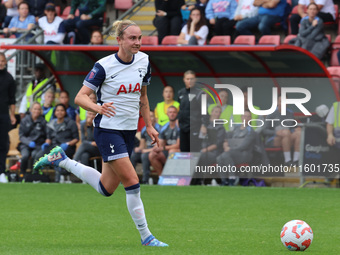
x=32, y=133
x=311, y=34
x=168, y=18
x=238, y=147
x=189, y=116
x=90, y=14
x=7, y=110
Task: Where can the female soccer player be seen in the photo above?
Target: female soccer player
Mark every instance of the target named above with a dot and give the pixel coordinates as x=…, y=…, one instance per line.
x=120, y=79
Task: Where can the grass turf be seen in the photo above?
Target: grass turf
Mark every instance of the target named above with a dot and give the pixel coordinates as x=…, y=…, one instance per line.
x=74, y=219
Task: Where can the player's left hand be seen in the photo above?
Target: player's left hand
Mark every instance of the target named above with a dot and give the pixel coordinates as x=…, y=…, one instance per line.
x=153, y=134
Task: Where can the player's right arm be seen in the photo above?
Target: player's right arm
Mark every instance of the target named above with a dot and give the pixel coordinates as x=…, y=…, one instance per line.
x=82, y=99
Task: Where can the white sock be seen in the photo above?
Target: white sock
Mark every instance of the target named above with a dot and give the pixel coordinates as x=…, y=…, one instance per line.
x=296, y=156
x=85, y=173
x=286, y=155
x=136, y=210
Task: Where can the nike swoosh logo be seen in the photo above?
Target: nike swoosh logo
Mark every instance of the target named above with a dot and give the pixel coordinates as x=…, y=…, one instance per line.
x=113, y=76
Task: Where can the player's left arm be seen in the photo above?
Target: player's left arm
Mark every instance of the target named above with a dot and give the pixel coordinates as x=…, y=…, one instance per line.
x=145, y=111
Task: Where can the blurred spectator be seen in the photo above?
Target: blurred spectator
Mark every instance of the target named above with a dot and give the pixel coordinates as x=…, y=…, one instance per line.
x=168, y=18
x=34, y=88
x=277, y=135
x=88, y=147
x=245, y=9
x=7, y=112
x=162, y=107
x=333, y=126
x=227, y=109
x=141, y=153
x=32, y=133
x=202, y=4
x=220, y=14
x=238, y=146
x=212, y=144
x=47, y=107
x=61, y=131
x=91, y=14
x=311, y=34
x=185, y=11
x=12, y=10
x=168, y=140
x=269, y=13
x=64, y=98
x=22, y=22
x=37, y=7
x=326, y=13
x=189, y=116
x=195, y=32
x=96, y=38
x=81, y=112
x=53, y=26
x=254, y=117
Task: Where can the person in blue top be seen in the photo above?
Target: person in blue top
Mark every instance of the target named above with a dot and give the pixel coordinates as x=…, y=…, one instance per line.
x=220, y=14
x=269, y=13
x=120, y=81
x=22, y=22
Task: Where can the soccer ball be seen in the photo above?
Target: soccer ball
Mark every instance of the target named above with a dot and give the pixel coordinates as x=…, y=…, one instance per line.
x=296, y=235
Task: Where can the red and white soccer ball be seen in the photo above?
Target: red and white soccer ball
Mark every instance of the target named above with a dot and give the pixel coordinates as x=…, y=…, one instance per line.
x=296, y=235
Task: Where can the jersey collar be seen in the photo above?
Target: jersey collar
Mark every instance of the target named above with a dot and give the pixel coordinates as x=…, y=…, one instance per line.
x=122, y=62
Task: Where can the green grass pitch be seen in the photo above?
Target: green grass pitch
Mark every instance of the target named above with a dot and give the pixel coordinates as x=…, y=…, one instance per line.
x=74, y=219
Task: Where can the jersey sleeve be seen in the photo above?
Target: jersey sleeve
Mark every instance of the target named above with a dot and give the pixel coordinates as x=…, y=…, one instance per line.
x=95, y=77
x=147, y=77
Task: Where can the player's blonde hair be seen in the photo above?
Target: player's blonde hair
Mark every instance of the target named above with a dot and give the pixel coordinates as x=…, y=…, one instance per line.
x=119, y=27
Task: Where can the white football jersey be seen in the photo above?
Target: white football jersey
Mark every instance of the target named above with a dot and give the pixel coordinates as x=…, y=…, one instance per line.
x=121, y=83
x=54, y=31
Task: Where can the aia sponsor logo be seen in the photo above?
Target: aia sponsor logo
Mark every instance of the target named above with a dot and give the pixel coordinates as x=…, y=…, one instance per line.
x=129, y=89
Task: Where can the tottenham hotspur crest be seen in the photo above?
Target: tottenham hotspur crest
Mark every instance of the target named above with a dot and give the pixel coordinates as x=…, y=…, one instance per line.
x=140, y=72
x=112, y=146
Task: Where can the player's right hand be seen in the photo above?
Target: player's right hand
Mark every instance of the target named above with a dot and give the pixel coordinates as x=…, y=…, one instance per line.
x=107, y=109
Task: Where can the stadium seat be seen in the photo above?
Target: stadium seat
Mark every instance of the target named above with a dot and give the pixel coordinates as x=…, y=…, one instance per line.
x=335, y=48
x=269, y=40
x=13, y=153
x=220, y=40
x=245, y=40
x=288, y=38
x=150, y=40
x=170, y=40
x=66, y=12
x=334, y=71
x=122, y=5
x=57, y=10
